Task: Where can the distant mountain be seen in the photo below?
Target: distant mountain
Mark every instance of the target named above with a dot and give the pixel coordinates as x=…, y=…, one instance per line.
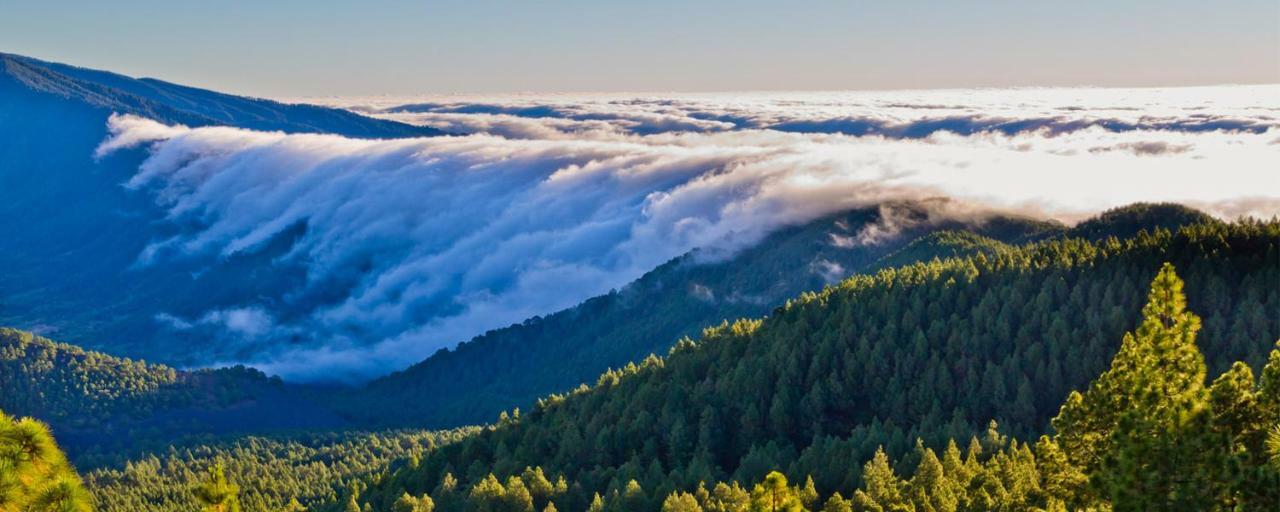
x=70, y=233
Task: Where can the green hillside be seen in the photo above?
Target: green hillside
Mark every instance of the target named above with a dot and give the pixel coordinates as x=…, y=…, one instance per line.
x=152, y=431
x=930, y=351
x=103, y=407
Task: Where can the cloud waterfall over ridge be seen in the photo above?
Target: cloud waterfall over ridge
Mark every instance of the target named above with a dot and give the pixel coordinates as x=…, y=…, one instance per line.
x=432, y=241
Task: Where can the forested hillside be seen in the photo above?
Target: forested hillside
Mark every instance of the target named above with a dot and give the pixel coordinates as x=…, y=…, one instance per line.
x=558, y=352
x=147, y=433
x=106, y=407
x=930, y=351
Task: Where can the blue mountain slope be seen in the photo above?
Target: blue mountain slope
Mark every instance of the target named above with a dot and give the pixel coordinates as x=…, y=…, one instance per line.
x=69, y=233
x=175, y=103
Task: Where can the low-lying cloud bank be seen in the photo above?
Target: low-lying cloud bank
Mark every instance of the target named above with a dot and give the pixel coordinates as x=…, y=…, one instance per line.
x=891, y=114
x=432, y=241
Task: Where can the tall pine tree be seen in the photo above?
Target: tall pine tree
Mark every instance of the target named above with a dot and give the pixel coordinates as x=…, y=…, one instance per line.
x=1142, y=430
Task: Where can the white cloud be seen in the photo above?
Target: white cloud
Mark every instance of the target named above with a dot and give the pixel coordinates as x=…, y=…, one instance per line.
x=440, y=239
x=894, y=114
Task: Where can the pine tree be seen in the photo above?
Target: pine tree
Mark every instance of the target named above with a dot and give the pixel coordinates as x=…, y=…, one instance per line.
x=405, y=503
x=217, y=494
x=539, y=486
x=727, y=498
x=1142, y=430
x=774, y=495
x=34, y=474
x=681, y=502
x=446, y=493
x=1273, y=447
x=516, y=496
x=837, y=503
x=862, y=502
x=953, y=465
x=487, y=495
x=634, y=497
x=408, y=503
x=880, y=485
x=1256, y=451
x=597, y=504
x=809, y=494
x=1062, y=481
x=929, y=488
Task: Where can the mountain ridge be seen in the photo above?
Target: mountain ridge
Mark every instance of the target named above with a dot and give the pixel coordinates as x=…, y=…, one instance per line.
x=174, y=103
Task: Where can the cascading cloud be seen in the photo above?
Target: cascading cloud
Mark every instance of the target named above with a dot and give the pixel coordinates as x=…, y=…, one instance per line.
x=542, y=205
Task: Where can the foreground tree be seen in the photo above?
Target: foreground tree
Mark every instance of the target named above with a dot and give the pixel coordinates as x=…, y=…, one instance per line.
x=34, y=474
x=1147, y=432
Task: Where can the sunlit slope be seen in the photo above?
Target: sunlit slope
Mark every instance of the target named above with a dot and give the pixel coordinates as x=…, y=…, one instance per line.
x=930, y=350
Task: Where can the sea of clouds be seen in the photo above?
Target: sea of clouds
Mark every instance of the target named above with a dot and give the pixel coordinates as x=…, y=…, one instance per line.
x=540, y=202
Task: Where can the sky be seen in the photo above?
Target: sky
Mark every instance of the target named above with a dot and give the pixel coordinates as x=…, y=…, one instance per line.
x=317, y=48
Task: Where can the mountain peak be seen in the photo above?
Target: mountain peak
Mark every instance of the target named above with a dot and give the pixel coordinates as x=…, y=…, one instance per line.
x=1126, y=221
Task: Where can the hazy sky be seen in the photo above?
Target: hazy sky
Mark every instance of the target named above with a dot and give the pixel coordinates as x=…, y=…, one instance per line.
x=292, y=47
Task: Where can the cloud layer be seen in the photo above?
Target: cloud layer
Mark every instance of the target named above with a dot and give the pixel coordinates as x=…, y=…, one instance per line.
x=893, y=114
x=419, y=244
